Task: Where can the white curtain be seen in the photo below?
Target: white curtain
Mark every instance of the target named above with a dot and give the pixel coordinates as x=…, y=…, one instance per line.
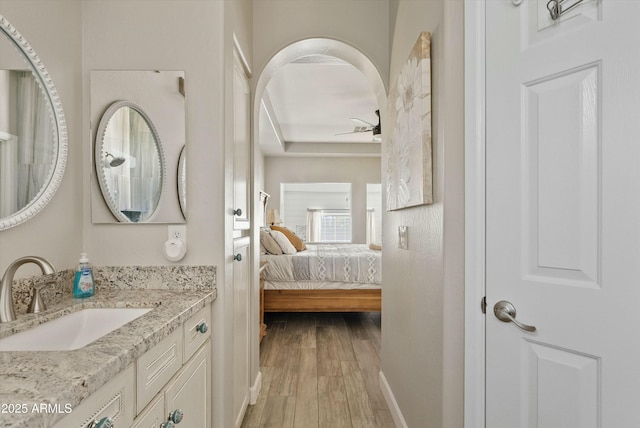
x=314, y=218
x=35, y=129
x=136, y=184
x=117, y=143
x=8, y=174
x=146, y=179
x=8, y=149
x=371, y=227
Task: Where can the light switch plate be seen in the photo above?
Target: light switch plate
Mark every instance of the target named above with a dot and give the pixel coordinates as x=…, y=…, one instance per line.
x=403, y=237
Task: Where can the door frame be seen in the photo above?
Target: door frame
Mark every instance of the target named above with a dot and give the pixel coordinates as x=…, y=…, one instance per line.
x=475, y=191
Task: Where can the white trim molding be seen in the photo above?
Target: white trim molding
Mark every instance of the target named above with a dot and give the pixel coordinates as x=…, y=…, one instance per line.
x=474, y=395
x=254, y=390
x=242, y=56
x=394, y=409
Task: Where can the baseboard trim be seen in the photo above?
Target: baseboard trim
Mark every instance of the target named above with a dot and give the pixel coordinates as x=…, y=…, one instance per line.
x=254, y=391
x=396, y=414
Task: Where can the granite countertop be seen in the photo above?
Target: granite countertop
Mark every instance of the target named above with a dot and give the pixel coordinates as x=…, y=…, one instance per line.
x=57, y=381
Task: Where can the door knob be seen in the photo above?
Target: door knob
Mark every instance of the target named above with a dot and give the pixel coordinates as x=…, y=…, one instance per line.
x=506, y=312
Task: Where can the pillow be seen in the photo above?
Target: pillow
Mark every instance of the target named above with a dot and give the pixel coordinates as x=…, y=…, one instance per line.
x=285, y=244
x=269, y=243
x=293, y=238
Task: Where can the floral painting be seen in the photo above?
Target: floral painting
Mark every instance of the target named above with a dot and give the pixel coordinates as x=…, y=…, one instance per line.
x=409, y=165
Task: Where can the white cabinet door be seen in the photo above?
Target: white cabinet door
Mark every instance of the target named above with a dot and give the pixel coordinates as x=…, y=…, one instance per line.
x=190, y=392
x=241, y=145
x=563, y=223
x=241, y=336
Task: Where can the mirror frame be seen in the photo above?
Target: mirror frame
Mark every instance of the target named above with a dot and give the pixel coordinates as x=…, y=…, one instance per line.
x=49, y=90
x=182, y=181
x=99, y=166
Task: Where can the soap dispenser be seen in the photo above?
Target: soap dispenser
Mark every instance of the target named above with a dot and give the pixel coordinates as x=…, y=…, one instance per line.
x=83, y=285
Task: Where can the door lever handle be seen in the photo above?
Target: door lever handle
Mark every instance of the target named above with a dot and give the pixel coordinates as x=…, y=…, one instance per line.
x=506, y=312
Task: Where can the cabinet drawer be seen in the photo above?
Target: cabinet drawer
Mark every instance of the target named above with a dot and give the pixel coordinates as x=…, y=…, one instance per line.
x=153, y=416
x=113, y=400
x=157, y=366
x=195, y=334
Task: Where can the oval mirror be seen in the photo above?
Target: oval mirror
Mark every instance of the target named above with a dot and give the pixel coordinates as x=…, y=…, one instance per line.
x=162, y=95
x=129, y=162
x=182, y=181
x=33, y=134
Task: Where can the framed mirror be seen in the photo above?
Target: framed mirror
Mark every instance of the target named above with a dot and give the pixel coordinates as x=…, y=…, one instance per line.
x=129, y=162
x=33, y=133
x=138, y=125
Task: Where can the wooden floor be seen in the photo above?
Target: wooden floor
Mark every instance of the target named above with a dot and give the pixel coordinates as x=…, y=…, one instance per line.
x=320, y=370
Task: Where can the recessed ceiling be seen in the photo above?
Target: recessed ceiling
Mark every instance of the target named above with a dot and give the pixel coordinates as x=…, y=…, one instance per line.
x=309, y=104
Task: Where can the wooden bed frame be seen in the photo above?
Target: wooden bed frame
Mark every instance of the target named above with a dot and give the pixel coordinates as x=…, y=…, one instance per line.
x=365, y=300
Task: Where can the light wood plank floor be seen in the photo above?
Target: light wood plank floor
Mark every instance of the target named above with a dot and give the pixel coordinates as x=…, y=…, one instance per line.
x=320, y=370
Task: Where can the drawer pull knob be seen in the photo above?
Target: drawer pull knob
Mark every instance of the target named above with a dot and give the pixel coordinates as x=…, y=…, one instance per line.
x=237, y=212
x=102, y=423
x=176, y=416
x=238, y=257
x=202, y=328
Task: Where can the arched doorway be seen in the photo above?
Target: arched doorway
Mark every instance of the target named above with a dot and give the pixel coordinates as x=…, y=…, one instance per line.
x=308, y=48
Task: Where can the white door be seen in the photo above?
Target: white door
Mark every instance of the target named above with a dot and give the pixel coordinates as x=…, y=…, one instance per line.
x=241, y=330
x=241, y=144
x=563, y=214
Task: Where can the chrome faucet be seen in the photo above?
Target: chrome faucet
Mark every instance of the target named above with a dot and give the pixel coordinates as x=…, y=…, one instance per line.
x=7, y=313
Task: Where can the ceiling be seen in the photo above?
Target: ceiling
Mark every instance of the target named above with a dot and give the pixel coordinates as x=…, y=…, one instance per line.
x=309, y=102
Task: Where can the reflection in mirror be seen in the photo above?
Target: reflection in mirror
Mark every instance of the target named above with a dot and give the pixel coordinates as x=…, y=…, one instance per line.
x=158, y=95
x=129, y=162
x=182, y=181
x=33, y=140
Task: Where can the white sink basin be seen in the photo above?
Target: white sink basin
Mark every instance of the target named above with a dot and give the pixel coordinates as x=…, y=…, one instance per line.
x=72, y=331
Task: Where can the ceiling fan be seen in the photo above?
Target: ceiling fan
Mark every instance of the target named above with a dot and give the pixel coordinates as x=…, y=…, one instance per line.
x=360, y=125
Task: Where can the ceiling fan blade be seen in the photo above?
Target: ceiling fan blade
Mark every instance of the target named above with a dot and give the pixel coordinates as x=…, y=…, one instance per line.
x=346, y=133
x=361, y=123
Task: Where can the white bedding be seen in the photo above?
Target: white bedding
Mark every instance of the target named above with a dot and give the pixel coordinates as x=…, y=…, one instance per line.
x=318, y=285
x=324, y=266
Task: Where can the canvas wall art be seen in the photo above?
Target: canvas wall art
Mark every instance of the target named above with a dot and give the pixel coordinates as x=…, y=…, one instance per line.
x=409, y=164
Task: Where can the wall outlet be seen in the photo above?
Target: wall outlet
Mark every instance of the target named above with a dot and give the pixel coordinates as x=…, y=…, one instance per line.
x=178, y=231
x=403, y=237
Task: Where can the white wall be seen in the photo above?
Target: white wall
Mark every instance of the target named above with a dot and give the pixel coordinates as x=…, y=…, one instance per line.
x=423, y=300
x=185, y=35
x=357, y=171
x=362, y=24
x=56, y=232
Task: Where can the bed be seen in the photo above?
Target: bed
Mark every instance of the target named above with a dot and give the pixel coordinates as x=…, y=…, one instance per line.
x=323, y=278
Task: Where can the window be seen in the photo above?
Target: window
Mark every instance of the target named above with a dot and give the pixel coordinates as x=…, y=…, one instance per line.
x=329, y=225
x=317, y=212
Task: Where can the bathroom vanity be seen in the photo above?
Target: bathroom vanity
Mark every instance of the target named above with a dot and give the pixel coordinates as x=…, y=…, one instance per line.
x=152, y=371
